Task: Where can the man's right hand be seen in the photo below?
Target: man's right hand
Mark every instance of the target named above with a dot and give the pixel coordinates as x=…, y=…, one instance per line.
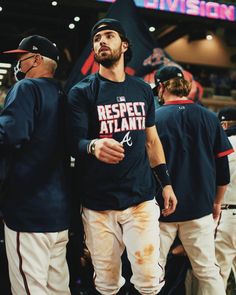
x=109, y=151
x=170, y=200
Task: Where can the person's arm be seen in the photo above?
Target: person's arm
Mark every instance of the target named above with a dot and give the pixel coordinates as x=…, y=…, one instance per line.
x=77, y=119
x=222, y=179
x=154, y=147
x=158, y=164
x=17, y=116
x=220, y=191
x=106, y=150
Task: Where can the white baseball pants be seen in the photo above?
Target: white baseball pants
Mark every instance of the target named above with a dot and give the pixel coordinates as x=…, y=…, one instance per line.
x=107, y=233
x=37, y=262
x=225, y=243
x=197, y=237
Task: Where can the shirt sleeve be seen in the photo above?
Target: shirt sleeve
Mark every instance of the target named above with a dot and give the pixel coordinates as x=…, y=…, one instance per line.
x=17, y=116
x=222, y=146
x=150, y=116
x=77, y=121
x=222, y=171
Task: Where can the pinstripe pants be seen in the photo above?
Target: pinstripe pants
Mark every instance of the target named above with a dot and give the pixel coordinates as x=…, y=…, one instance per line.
x=37, y=262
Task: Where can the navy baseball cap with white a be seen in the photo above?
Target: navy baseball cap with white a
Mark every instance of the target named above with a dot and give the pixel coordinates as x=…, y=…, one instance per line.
x=37, y=44
x=166, y=73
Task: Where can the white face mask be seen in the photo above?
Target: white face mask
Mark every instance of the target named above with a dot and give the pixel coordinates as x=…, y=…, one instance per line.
x=19, y=75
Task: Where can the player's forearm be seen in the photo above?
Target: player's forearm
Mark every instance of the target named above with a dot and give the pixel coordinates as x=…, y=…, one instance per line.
x=220, y=191
x=77, y=139
x=154, y=148
x=157, y=158
x=155, y=153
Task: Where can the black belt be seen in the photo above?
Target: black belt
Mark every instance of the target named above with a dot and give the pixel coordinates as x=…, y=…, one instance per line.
x=227, y=206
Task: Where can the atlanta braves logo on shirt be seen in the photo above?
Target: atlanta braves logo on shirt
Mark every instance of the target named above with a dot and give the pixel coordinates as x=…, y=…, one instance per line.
x=127, y=139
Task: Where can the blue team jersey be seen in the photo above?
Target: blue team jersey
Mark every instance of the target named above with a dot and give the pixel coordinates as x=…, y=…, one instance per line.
x=192, y=138
x=100, y=108
x=32, y=131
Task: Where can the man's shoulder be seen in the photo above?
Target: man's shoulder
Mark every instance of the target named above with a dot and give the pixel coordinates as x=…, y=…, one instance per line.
x=195, y=110
x=20, y=88
x=163, y=113
x=84, y=88
x=209, y=115
x=23, y=91
x=138, y=81
x=24, y=83
x=85, y=83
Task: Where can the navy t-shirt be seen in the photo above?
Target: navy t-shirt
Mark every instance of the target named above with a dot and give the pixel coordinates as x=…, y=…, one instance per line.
x=100, y=108
x=192, y=139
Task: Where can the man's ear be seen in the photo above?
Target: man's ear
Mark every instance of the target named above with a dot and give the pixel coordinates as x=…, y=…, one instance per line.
x=225, y=125
x=125, y=46
x=38, y=59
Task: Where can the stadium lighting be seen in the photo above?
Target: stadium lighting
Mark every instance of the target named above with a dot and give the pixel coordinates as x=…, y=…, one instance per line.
x=5, y=65
x=71, y=26
x=152, y=29
x=209, y=37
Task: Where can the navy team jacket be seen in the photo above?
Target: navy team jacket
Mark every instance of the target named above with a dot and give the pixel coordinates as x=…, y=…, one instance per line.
x=32, y=138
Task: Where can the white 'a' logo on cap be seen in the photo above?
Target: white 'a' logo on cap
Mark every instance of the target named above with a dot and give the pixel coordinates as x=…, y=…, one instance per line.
x=35, y=48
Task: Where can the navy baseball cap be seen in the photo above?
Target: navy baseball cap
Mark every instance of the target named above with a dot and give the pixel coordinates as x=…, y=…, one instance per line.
x=227, y=114
x=166, y=73
x=37, y=44
x=108, y=24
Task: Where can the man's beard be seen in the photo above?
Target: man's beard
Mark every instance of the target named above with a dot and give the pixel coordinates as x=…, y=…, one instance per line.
x=110, y=59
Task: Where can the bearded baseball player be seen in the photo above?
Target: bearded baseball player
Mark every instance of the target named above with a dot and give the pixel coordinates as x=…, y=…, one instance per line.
x=226, y=228
x=114, y=140
x=196, y=150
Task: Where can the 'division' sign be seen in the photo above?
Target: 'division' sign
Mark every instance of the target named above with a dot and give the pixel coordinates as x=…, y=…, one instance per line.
x=210, y=9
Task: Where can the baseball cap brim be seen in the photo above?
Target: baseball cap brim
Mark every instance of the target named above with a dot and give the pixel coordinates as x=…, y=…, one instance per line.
x=16, y=51
x=108, y=24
